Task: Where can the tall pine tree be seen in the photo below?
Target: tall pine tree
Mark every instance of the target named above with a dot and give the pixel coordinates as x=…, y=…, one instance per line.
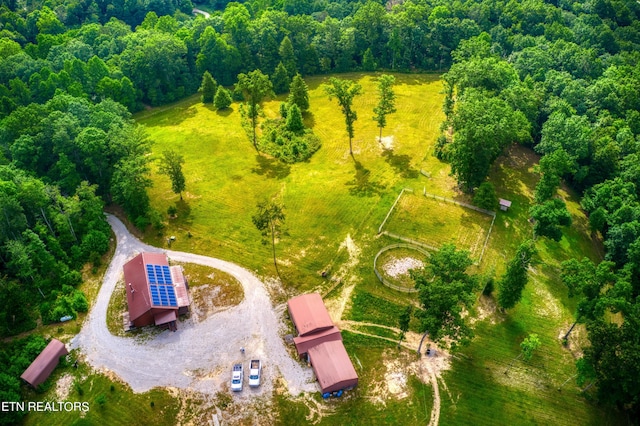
x=299, y=93
x=514, y=280
x=208, y=88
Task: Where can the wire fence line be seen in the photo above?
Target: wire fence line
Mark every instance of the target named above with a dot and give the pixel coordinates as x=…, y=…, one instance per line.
x=486, y=241
x=446, y=200
x=392, y=207
x=408, y=240
x=459, y=203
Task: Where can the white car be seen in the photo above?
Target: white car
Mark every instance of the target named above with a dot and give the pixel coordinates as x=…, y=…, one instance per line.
x=236, y=378
x=254, y=373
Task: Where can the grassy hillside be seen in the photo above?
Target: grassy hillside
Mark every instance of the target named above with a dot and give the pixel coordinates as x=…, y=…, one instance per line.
x=327, y=198
x=334, y=205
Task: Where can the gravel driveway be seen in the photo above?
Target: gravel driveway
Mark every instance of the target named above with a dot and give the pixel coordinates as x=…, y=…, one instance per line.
x=198, y=356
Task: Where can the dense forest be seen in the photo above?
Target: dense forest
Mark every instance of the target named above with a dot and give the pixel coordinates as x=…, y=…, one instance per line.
x=561, y=76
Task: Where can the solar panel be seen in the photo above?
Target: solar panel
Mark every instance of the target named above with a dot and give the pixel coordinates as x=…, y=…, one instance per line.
x=163, y=295
x=159, y=274
x=161, y=286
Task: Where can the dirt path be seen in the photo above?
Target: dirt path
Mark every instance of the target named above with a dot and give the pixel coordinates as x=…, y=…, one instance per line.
x=199, y=355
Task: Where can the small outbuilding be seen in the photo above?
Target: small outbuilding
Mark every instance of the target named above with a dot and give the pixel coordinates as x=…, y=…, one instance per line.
x=156, y=292
x=504, y=204
x=44, y=364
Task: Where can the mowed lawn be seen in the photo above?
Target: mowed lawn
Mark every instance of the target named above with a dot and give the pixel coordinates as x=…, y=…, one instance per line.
x=435, y=222
x=326, y=199
x=334, y=199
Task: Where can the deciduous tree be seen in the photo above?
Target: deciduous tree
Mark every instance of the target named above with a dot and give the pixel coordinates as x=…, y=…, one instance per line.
x=515, y=278
x=255, y=87
x=171, y=165
x=483, y=127
x=269, y=220
x=549, y=217
x=528, y=347
x=386, y=101
x=344, y=91
x=445, y=292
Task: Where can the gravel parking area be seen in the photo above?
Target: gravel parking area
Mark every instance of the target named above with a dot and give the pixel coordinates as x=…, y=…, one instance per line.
x=199, y=355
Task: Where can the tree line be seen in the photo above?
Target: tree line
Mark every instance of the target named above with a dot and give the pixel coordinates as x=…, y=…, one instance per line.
x=563, y=79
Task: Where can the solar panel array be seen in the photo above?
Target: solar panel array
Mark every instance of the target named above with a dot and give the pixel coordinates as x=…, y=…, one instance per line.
x=161, y=286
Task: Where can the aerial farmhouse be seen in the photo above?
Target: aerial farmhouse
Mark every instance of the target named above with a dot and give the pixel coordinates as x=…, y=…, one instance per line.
x=156, y=292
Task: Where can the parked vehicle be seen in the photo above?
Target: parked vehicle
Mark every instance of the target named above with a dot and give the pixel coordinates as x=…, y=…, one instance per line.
x=236, y=378
x=254, y=373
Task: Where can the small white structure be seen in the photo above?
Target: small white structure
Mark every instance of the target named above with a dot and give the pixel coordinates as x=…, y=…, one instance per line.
x=504, y=204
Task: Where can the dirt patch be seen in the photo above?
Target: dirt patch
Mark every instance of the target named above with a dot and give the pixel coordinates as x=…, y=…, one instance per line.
x=576, y=341
x=547, y=305
x=400, y=267
x=386, y=142
x=211, y=291
x=63, y=386
x=398, y=368
x=336, y=306
x=486, y=308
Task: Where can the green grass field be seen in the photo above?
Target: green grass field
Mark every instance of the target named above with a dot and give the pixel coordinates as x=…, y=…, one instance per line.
x=334, y=204
x=327, y=198
x=434, y=222
x=120, y=406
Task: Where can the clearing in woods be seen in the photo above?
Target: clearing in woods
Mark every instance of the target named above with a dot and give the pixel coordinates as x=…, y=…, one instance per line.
x=334, y=197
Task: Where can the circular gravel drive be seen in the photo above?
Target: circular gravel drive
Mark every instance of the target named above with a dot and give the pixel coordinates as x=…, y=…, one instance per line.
x=198, y=356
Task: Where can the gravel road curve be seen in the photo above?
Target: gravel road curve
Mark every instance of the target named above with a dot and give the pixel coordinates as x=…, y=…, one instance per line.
x=198, y=356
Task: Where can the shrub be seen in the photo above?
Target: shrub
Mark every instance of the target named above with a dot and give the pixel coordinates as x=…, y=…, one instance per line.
x=222, y=99
x=79, y=302
x=486, y=197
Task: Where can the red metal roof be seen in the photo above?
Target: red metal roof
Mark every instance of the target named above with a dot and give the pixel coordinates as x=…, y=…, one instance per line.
x=179, y=283
x=44, y=364
x=165, y=317
x=304, y=343
x=136, y=284
x=309, y=314
x=332, y=366
x=137, y=287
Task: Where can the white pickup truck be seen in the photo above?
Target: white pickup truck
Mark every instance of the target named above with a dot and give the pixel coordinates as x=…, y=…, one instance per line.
x=254, y=373
x=236, y=378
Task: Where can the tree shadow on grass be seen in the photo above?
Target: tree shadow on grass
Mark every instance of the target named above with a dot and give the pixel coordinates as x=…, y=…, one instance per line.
x=361, y=185
x=271, y=167
x=176, y=115
x=309, y=120
x=400, y=163
x=223, y=112
x=184, y=210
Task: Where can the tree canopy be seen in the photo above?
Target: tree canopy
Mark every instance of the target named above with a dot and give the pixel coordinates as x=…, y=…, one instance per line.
x=445, y=291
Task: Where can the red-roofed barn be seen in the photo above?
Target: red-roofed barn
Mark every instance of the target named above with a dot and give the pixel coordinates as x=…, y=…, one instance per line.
x=309, y=314
x=321, y=341
x=44, y=364
x=332, y=366
x=156, y=292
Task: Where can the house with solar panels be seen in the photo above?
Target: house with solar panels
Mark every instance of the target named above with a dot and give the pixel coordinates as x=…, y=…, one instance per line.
x=156, y=292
